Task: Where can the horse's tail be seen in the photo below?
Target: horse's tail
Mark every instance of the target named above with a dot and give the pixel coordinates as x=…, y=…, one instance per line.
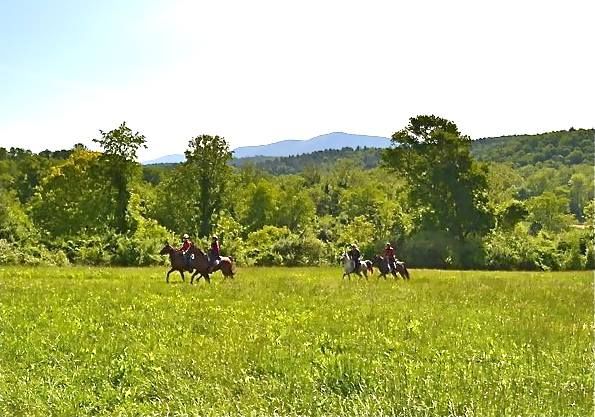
x=405, y=271
x=233, y=265
x=228, y=266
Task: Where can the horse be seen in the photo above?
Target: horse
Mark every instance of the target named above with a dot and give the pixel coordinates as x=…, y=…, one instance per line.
x=382, y=265
x=176, y=260
x=203, y=267
x=365, y=266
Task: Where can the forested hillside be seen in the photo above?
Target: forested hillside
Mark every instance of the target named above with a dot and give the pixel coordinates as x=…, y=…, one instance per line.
x=528, y=205
x=566, y=147
x=552, y=149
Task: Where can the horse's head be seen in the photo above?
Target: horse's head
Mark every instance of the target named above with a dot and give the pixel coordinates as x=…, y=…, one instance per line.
x=166, y=250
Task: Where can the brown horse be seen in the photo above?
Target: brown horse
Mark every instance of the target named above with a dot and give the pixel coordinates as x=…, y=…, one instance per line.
x=176, y=260
x=203, y=267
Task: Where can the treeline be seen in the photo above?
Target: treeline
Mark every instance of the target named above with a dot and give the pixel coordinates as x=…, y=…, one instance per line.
x=428, y=195
x=553, y=149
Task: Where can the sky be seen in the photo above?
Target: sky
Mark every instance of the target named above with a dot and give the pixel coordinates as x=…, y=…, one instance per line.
x=261, y=71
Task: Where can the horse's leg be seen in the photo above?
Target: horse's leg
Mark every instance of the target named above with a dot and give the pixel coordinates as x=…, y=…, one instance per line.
x=182, y=274
x=207, y=278
x=192, y=277
x=406, y=272
x=167, y=275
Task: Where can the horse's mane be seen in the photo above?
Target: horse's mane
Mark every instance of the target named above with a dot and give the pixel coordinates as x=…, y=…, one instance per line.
x=197, y=249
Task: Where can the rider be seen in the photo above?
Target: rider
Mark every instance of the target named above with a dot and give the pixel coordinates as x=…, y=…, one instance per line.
x=389, y=256
x=185, y=249
x=354, y=254
x=215, y=253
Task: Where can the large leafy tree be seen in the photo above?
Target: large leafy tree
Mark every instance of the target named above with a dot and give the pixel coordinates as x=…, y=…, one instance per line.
x=120, y=147
x=447, y=188
x=74, y=198
x=262, y=205
x=207, y=160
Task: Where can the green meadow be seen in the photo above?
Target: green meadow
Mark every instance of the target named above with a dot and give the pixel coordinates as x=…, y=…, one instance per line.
x=295, y=341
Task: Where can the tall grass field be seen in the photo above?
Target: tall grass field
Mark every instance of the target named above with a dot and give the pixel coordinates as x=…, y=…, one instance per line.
x=120, y=342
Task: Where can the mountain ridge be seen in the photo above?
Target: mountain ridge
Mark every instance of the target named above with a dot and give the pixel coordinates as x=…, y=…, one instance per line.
x=292, y=147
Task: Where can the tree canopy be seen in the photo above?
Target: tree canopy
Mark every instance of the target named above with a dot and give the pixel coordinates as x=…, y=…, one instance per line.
x=446, y=186
x=433, y=200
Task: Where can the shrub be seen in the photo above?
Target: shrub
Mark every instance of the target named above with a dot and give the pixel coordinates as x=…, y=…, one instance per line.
x=427, y=249
x=260, y=243
x=32, y=254
x=300, y=250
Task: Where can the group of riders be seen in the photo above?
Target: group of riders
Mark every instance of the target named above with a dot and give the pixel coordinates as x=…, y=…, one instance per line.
x=214, y=253
x=388, y=255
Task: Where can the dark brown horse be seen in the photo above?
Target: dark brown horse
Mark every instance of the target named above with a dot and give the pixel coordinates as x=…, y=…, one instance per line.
x=176, y=260
x=204, y=268
x=382, y=264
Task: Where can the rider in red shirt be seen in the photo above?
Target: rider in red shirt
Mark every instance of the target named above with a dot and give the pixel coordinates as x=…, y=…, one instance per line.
x=185, y=249
x=215, y=253
x=389, y=256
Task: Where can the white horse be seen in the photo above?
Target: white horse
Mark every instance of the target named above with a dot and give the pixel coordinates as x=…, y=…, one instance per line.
x=349, y=267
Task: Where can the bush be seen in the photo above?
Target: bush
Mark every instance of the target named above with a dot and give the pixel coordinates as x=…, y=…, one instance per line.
x=518, y=249
x=427, y=249
x=260, y=246
x=300, y=250
x=33, y=254
x=142, y=247
x=436, y=249
x=91, y=251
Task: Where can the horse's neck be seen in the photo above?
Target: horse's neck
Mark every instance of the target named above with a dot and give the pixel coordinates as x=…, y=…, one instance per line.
x=196, y=252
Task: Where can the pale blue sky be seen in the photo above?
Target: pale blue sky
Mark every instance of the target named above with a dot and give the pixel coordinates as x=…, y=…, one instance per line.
x=264, y=70
x=49, y=48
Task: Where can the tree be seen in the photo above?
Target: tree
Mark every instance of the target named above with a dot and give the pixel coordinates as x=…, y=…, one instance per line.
x=119, y=156
x=550, y=211
x=74, y=198
x=446, y=186
x=15, y=225
x=207, y=157
x=578, y=194
x=262, y=205
x=296, y=210
x=173, y=207
x=512, y=214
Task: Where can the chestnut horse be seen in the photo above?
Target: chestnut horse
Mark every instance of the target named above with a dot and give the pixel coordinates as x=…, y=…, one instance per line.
x=202, y=267
x=199, y=264
x=176, y=260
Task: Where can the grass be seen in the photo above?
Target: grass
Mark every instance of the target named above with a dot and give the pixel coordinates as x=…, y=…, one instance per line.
x=279, y=341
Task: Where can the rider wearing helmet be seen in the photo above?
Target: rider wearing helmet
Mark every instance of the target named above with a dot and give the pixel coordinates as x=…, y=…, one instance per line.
x=389, y=256
x=354, y=254
x=185, y=249
x=215, y=253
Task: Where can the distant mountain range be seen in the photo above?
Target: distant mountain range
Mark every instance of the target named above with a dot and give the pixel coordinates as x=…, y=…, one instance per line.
x=335, y=140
